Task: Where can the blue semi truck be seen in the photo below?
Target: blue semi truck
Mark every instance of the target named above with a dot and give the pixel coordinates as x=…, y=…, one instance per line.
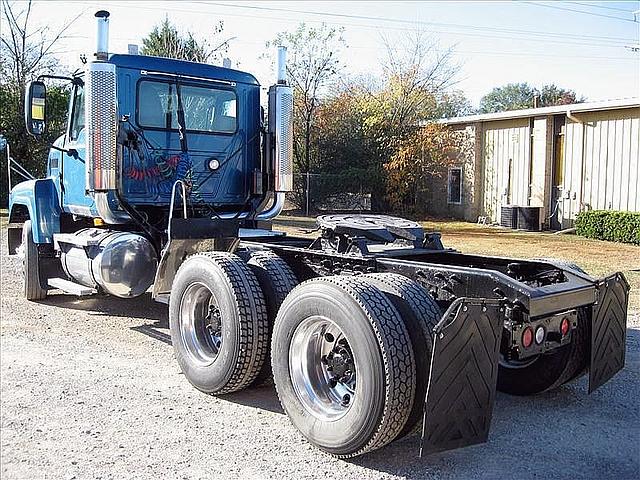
x=166, y=180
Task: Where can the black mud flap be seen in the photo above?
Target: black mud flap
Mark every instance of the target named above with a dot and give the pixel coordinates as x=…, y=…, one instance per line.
x=608, y=330
x=463, y=375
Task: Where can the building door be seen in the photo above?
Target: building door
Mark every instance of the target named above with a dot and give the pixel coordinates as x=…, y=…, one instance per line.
x=557, y=186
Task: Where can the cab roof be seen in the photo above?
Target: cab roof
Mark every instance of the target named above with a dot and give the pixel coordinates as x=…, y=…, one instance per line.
x=181, y=67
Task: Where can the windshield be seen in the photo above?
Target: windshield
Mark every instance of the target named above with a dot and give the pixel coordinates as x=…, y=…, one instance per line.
x=206, y=109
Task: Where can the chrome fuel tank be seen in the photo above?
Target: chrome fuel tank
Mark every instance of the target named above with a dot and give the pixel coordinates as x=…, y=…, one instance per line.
x=122, y=264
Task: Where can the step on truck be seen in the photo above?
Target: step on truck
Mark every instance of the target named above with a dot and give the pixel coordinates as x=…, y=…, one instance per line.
x=168, y=178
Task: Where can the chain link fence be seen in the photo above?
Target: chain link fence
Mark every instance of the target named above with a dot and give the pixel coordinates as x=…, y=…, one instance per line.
x=326, y=192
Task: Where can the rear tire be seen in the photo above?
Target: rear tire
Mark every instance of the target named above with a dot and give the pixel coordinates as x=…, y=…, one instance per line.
x=420, y=313
x=368, y=346
x=552, y=370
x=276, y=281
x=218, y=322
x=31, y=265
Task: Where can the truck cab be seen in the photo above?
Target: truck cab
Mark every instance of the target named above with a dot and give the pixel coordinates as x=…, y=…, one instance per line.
x=144, y=135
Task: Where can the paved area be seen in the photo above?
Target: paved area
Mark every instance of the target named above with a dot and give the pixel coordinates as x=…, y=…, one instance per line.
x=90, y=389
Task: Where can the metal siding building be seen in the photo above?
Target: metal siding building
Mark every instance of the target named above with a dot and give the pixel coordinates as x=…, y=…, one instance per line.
x=563, y=159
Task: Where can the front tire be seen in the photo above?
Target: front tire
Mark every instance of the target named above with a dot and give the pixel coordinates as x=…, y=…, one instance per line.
x=343, y=365
x=218, y=322
x=31, y=265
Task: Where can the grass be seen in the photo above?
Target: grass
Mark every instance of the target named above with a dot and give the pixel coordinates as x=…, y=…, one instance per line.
x=597, y=257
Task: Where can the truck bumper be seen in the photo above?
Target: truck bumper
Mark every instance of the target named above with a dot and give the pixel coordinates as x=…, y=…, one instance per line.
x=464, y=363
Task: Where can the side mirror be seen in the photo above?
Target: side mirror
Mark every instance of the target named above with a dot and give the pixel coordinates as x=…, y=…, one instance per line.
x=35, y=108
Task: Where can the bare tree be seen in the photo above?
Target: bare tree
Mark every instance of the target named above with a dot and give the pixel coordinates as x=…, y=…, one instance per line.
x=417, y=74
x=26, y=52
x=312, y=67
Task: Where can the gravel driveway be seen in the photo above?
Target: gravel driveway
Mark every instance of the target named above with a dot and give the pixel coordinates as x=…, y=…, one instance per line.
x=90, y=389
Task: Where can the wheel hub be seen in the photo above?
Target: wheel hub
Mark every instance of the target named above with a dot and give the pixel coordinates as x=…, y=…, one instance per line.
x=322, y=368
x=200, y=324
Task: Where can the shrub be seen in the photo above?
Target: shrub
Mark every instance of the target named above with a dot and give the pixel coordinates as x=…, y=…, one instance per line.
x=609, y=225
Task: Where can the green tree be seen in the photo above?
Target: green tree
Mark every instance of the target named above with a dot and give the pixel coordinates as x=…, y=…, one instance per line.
x=554, y=95
x=25, y=53
x=452, y=104
x=166, y=41
x=515, y=96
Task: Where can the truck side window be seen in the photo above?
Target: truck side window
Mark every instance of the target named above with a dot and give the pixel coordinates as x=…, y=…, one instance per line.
x=157, y=105
x=210, y=110
x=77, y=119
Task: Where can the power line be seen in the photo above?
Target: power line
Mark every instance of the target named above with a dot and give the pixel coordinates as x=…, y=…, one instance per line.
x=620, y=42
x=617, y=41
x=580, y=11
x=593, y=5
x=488, y=53
x=412, y=22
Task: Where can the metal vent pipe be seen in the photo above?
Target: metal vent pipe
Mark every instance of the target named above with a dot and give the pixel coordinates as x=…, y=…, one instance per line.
x=282, y=66
x=102, y=37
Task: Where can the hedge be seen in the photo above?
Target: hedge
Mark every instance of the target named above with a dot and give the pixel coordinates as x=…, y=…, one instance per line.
x=609, y=225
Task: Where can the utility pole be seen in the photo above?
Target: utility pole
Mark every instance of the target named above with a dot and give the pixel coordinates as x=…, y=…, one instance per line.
x=307, y=199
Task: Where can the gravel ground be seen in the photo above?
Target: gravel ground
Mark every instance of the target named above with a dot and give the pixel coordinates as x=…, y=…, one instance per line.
x=90, y=389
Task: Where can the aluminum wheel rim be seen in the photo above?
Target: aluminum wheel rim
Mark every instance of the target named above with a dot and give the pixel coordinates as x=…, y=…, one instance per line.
x=323, y=368
x=200, y=324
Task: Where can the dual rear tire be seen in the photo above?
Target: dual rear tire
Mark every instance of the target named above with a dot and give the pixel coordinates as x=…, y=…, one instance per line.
x=349, y=356
x=345, y=351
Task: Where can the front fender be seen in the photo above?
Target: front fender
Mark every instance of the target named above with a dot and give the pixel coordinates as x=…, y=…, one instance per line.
x=41, y=200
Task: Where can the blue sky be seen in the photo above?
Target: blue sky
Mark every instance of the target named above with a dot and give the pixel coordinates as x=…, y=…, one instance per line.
x=575, y=44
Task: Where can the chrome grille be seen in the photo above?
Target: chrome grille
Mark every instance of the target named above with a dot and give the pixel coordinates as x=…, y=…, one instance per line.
x=102, y=126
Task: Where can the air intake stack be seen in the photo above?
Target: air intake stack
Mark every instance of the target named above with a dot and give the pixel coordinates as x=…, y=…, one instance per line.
x=101, y=114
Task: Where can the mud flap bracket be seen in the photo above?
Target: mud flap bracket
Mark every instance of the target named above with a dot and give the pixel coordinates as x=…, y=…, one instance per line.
x=463, y=375
x=608, y=330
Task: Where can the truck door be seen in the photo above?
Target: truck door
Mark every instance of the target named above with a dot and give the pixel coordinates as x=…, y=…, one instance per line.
x=74, y=198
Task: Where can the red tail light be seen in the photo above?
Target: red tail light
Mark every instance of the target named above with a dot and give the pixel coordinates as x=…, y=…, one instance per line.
x=564, y=326
x=527, y=337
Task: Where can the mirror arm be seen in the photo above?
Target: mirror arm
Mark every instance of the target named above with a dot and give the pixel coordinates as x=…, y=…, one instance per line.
x=69, y=151
x=55, y=77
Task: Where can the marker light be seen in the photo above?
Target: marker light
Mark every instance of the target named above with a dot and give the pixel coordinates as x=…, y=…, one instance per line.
x=539, y=335
x=527, y=337
x=214, y=164
x=564, y=326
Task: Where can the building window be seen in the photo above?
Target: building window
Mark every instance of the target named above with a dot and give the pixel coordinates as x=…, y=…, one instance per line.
x=454, y=185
